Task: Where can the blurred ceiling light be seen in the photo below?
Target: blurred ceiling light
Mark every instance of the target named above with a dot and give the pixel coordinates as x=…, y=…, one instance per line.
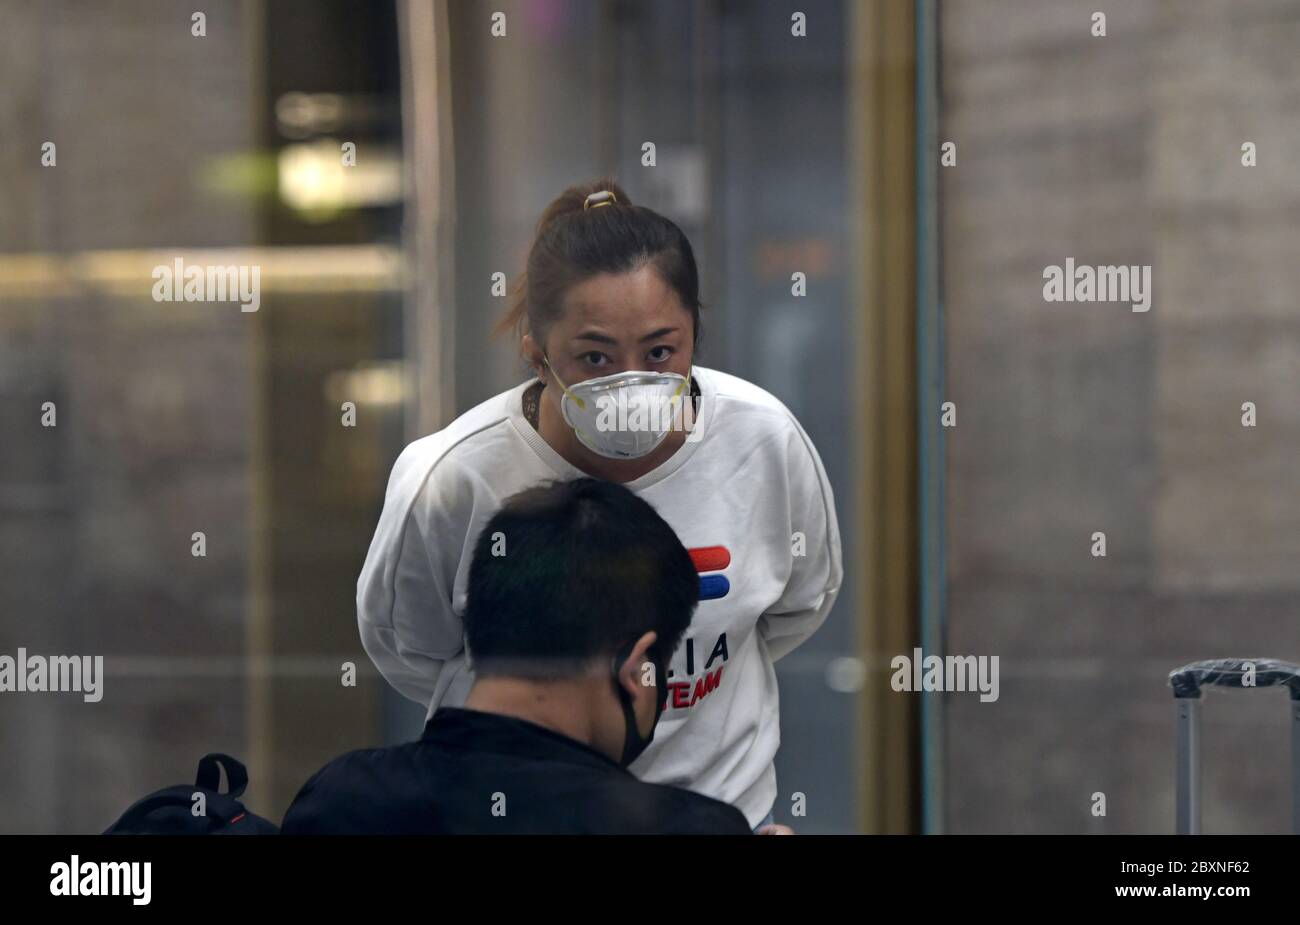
x=299, y=115
x=846, y=675
x=381, y=384
x=239, y=174
x=313, y=180
x=129, y=273
x=302, y=115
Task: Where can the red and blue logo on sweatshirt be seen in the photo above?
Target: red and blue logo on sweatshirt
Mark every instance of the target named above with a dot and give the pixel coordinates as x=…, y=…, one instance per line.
x=711, y=559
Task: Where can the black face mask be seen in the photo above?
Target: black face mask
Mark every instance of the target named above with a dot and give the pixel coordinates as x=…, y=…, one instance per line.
x=633, y=743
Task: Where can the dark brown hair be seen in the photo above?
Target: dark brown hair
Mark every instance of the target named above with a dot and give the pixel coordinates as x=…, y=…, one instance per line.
x=573, y=244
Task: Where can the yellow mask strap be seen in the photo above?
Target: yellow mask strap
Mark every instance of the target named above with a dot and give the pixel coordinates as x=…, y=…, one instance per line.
x=582, y=405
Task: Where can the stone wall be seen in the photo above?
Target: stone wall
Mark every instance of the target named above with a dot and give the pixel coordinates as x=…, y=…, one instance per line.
x=1077, y=417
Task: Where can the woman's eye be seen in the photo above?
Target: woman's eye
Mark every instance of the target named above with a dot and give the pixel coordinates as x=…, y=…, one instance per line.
x=660, y=354
x=594, y=358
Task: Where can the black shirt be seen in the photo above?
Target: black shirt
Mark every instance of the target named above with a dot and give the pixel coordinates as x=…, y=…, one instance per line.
x=482, y=773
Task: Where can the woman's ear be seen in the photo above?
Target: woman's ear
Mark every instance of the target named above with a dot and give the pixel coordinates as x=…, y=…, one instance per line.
x=533, y=353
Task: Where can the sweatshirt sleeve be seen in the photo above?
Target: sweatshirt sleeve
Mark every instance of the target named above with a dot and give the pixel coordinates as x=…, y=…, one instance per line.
x=816, y=565
x=405, y=613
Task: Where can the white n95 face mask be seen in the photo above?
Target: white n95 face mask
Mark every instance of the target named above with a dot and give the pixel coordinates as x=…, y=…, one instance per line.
x=626, y=415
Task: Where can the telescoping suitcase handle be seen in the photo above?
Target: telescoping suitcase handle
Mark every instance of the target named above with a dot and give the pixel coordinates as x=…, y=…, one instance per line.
x=1241, y=673
x=1232, y=672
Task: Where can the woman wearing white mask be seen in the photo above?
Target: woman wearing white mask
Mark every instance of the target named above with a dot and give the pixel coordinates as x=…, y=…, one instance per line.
x=608, y=309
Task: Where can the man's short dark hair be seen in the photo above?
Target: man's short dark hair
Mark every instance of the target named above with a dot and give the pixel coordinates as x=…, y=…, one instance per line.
x=571, y=570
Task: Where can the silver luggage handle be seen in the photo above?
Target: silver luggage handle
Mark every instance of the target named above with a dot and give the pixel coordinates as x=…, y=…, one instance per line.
x=1225, y=672
x=1231, y=672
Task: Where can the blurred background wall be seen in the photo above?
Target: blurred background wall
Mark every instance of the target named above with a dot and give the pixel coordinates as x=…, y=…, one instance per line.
x=175, y=417
x=776, y=155
x=152, y=400
x=1074, y=418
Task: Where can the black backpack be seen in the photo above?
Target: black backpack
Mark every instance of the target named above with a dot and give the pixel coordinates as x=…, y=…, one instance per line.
x=170, y=811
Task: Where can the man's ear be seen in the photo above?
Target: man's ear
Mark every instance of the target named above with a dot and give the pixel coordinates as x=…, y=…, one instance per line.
x=637, y=673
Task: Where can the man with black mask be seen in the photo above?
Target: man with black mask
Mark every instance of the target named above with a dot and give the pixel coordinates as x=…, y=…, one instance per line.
x=578, y=594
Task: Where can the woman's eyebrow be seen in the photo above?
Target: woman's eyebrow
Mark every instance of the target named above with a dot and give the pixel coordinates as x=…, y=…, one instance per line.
x=606, y=339
x=656, y=334
x=597, y=337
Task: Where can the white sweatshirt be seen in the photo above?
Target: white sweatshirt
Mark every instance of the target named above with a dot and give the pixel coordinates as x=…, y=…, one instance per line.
x=747, y=494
